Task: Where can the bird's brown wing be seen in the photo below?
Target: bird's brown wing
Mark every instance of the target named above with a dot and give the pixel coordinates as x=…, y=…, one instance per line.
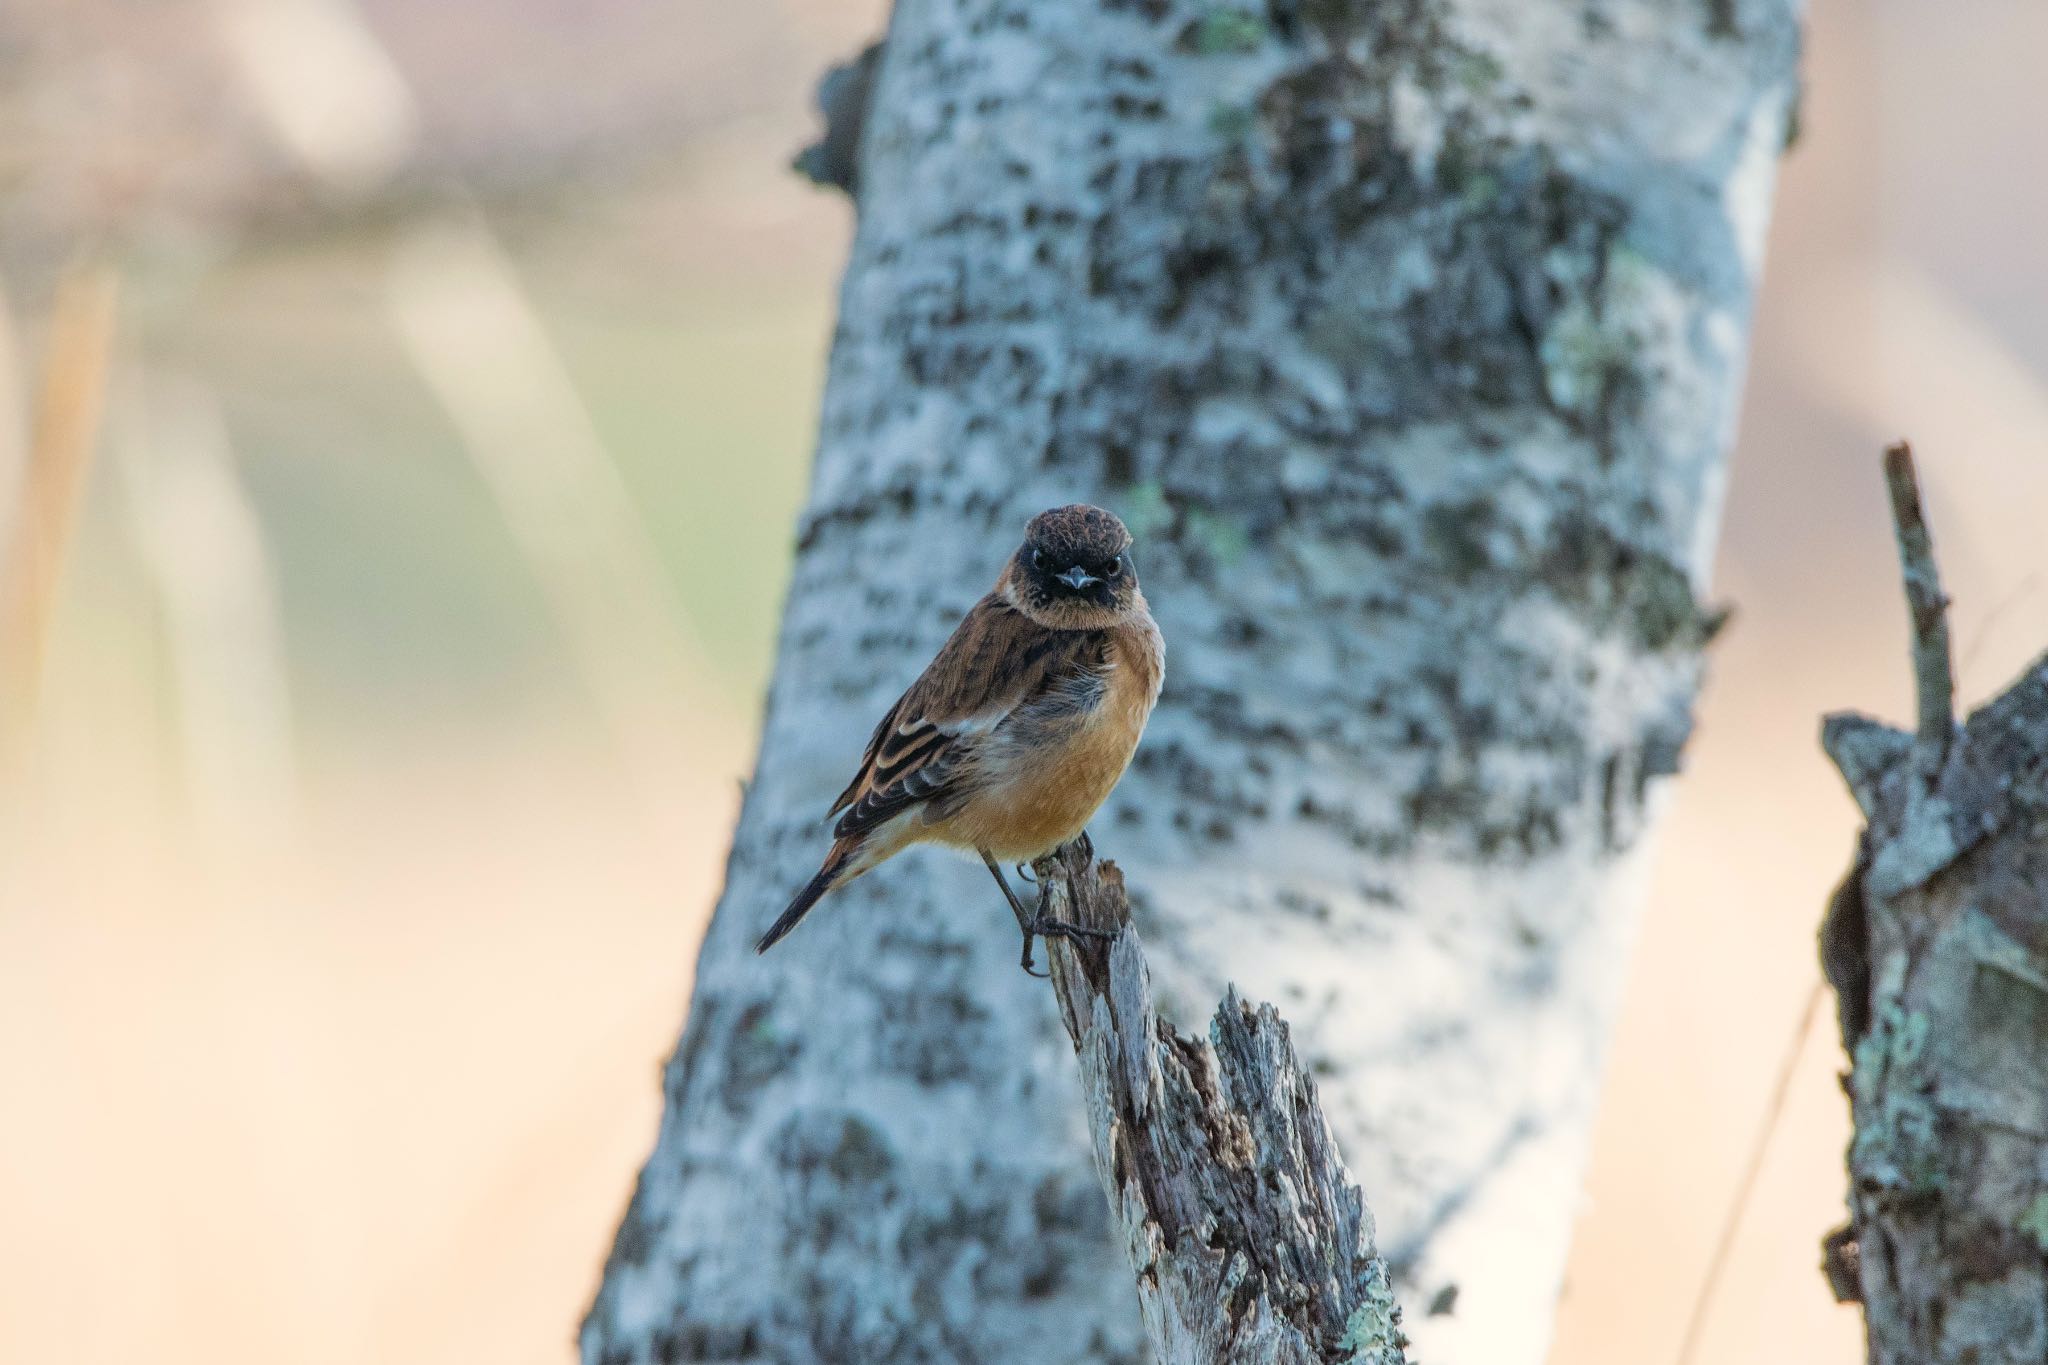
x=997, y=661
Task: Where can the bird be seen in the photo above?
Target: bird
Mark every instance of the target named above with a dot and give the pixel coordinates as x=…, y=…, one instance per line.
x=1016, y=732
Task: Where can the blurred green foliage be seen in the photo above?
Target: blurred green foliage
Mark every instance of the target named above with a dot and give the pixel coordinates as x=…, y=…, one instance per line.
x=404, y=594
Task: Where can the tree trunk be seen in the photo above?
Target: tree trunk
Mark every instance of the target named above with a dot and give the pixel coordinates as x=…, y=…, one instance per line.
x=1938, y=947
x=1407, y=336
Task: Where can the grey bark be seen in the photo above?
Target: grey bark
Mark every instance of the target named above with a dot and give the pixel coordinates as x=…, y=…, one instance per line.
x=1249, y=1242
x=1937, y=945
x=844, y=96
x=1407, y=336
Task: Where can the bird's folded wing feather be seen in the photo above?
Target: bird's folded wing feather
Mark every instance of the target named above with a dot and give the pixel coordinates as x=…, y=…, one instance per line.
x=997, y=661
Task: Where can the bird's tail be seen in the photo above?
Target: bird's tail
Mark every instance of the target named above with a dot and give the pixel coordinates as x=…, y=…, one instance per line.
x=836, y=872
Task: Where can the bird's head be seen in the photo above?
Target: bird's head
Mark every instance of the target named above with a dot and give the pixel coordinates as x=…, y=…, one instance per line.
x=1074, y=570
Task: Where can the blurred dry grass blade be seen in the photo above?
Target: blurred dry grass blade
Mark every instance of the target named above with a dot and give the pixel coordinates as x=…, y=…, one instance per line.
x=325, y=84
x=13, y=416
x=481, y=347
x=66, y=423
x=199, y=535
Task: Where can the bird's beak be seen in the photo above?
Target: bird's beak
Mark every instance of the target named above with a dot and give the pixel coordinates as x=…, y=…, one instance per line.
x=1076, y=579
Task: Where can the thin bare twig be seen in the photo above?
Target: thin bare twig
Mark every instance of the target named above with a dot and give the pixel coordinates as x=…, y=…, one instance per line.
x=1745, y=1187
x=1933, y=676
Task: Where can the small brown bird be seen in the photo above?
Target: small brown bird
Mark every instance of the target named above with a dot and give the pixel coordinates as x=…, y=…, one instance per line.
x=1021, y=725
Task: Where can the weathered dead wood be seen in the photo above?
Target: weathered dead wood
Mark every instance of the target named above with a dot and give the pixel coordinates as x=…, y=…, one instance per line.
x=1249, y=1241
x=1938, y=945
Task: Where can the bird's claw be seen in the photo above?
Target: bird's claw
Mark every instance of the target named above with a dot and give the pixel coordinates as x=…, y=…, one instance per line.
x=1054, y=928
x=1043, y=927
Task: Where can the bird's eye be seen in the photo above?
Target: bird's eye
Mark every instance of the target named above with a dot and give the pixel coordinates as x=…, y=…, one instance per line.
x=1038, y=559
x=1113, y=568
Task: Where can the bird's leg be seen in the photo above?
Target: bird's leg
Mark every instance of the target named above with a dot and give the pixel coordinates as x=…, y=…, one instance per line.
x=1085, y=844
x=1026, y=921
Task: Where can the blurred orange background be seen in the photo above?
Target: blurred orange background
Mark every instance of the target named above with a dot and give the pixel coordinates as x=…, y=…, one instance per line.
x=398, y=693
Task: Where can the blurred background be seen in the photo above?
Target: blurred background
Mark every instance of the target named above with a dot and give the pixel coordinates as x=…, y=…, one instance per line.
x=460, y=367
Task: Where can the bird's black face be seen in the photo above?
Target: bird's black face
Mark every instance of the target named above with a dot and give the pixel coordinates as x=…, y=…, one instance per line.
x=1077, y=557
x=1105, y=580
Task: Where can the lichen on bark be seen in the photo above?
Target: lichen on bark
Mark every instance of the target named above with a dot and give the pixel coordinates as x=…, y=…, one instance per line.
x=1949, y=1084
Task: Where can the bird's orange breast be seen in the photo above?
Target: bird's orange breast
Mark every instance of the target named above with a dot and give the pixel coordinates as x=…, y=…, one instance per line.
x=1033, y=800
